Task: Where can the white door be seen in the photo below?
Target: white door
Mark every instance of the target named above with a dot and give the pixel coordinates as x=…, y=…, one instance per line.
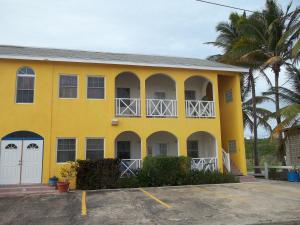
x=10, y=161
x=32, y=159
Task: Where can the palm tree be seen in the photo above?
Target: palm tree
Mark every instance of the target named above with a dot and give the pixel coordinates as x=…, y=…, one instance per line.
x=291, y=97
x=275, y=35
x=229, y=36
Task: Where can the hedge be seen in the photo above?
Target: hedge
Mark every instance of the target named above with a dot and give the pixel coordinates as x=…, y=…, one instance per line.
x=156, y=171
x=98, y=174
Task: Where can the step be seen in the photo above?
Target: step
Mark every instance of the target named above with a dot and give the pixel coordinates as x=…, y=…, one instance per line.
x=248, y=178
x=6, y=190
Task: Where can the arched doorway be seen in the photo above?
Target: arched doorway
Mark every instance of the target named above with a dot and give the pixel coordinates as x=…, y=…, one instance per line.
x=128, y=149
x=199, y=97
x=202, y=148
x=161, y=96
x=162, y=143
x=21, y=158
x=127, y=92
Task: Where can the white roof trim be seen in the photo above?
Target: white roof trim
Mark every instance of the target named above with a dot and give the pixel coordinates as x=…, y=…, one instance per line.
x=57, y=59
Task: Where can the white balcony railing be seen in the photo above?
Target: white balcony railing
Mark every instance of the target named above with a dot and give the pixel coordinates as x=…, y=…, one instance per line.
x=206, y=164
x=128, y=107
x=226, y=160
x=161, y=108
x=129, y=167
x=198, y=109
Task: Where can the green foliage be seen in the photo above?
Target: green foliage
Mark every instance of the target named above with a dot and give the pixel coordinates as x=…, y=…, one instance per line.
x=267, y=150
x=164, y=170
x=201, y=177
x=98, y=174
x=156, y=171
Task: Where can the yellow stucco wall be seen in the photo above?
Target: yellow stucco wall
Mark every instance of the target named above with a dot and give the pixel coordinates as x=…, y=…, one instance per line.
x=231, y=117
x=52, y=117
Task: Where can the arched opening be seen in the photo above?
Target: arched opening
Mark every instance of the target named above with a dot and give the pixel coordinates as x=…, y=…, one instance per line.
x=201, y=145
x=162, y=143
x=127, y=92
x=161, y=96
x=22, y=135
x=199, y=97
x=202, y=148
x=128, y=145
x=128, y=149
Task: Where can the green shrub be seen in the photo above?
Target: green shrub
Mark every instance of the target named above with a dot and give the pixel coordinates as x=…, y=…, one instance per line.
x=97, y=174
x=201, y=177
x=129, y=182
x=164, y=170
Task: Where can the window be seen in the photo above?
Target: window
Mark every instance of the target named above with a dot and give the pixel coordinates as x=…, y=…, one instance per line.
x=32, y=146
x=228, y=96
x=25, y=85
x=68, y=86
x=94, y=148
x=123, y=149
x=190, y=95
x=160, y=95
x=11, y=146
x=163, y=148
x=232, y=146
x=66, y=148
x=95, y=87
x=192, y=149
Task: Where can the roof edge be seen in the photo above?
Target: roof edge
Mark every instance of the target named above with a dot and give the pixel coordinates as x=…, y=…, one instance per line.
x=60, y=59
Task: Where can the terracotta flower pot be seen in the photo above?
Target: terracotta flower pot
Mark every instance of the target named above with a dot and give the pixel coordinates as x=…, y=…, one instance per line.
x=63, y=186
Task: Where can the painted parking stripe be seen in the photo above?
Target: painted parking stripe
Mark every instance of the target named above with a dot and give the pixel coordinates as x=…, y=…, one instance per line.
x=155, y=198
x=83, y=204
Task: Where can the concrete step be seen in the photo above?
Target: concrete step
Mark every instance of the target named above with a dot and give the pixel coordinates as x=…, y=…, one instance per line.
x=10, y=190
x=248, y=178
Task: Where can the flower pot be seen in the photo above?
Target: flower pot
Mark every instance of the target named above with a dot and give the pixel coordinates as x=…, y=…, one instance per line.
x=63, y=186
x=52, y=181
x=293, y=176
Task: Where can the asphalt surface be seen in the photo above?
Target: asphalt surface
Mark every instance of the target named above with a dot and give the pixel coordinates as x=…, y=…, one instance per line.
x=245, y=203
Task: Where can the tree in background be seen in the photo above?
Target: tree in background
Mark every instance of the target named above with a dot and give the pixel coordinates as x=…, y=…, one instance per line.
x=276, y=37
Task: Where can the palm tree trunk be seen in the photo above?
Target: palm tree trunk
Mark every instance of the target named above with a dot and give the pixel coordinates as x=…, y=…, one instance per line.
x=276, y=70
x=254, y=115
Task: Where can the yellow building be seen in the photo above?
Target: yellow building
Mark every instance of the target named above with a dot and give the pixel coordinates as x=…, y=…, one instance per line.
x=60, y=105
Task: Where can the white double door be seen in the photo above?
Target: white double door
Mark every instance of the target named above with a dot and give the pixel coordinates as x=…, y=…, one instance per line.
x=21, y=161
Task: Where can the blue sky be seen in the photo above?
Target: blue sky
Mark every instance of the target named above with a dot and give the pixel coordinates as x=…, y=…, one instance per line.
x=169, y=27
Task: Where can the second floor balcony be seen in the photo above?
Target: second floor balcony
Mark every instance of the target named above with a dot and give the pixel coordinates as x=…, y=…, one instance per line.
x=161, y=100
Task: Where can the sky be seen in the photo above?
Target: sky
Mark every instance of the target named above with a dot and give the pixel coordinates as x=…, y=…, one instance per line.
x=157, y=27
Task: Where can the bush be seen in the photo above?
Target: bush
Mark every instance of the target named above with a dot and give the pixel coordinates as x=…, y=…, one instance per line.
x=164, y=170
x=201, y=177
x=98, y=174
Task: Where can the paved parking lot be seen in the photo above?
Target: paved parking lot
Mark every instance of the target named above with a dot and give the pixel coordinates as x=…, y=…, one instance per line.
x=245, y=203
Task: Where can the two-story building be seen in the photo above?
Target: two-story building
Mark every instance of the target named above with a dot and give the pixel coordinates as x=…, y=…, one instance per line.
x=61, y=105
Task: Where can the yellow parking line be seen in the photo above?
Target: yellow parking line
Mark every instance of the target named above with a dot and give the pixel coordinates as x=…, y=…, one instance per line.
x=154, y=198
x=83, y=204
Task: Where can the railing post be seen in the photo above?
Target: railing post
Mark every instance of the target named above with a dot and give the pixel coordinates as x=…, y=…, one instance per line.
x=266, y=171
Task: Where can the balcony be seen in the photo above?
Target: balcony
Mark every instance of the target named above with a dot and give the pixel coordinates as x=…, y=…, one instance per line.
x=199, y=109
x=161, y=108
x=128, y=107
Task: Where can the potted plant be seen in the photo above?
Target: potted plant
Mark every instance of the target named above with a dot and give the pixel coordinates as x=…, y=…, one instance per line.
x=293, y=175
x=67, y=172
x=53, y=181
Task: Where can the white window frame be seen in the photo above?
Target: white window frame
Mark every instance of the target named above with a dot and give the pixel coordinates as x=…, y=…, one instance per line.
x=87, y=87
x=34, y=84
x=77, y=88
x=59, y=138
x=94, y=138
